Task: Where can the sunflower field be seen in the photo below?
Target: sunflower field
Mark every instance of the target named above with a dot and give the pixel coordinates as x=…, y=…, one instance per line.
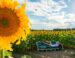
x=66, y=37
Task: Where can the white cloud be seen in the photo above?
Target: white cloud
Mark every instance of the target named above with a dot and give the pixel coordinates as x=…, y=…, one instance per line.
x=45, y=6
x=52, y=11
x=61, y=22
x=57, y=17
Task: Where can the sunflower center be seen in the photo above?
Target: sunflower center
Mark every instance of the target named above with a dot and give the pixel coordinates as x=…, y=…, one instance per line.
x=4, y=23
x=9, y=22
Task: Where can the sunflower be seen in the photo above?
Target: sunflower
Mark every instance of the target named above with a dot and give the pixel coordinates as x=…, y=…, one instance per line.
x=14, y=23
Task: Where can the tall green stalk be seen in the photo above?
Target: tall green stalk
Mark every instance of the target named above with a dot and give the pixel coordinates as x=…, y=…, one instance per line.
x=2, y=54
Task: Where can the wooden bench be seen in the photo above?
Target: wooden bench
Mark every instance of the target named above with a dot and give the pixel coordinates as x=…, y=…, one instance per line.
x=53, y=46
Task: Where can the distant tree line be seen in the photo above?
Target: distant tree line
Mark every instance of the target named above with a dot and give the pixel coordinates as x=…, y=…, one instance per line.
x=55, y=29
x=64, y=29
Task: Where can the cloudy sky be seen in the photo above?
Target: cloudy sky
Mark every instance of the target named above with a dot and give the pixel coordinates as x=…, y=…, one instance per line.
x=50, y=14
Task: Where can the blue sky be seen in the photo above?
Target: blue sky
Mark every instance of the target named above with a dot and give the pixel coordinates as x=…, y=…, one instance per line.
x=51, y=14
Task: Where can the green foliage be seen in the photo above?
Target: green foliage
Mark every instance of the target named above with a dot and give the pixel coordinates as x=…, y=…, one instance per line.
x=68, y=40
x=19, y=48
x=8, y=53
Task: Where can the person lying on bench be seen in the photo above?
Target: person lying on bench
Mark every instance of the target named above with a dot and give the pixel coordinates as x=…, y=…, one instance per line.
x=51, y=43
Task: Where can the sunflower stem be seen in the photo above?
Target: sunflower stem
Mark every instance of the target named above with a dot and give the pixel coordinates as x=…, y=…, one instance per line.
x=2, y=54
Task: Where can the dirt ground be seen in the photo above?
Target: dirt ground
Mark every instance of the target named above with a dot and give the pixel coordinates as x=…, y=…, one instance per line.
x=67, y=53
x=52, y=54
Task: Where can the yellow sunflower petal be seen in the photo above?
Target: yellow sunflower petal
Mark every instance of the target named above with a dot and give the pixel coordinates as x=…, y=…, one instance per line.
x=14, y=23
